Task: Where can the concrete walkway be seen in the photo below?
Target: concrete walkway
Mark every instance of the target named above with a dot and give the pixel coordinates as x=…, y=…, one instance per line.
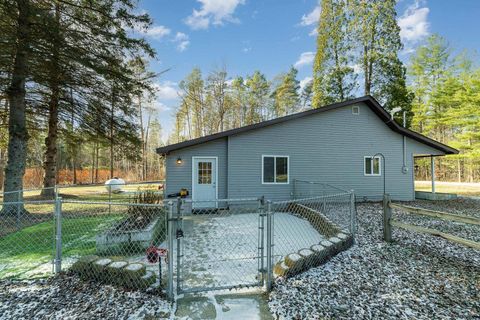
x=223, y=305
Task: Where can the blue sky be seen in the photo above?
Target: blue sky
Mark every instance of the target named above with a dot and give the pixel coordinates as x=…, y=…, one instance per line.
x=272, y=35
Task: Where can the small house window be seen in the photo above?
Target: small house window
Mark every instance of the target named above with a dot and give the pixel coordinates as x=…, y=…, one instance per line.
x=372, y=166
x=356, y=110
x=275, y=169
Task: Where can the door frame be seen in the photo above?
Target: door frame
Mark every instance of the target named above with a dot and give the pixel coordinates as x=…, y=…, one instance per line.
x=216, y=176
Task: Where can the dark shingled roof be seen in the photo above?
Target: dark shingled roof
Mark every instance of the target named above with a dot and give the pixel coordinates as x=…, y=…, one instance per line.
x=368, y=100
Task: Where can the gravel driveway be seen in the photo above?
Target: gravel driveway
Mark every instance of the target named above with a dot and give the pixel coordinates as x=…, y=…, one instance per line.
x=416, y=277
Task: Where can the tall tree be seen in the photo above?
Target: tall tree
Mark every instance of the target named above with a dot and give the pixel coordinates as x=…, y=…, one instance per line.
x=286, y=98
x=429, y=66
x=258, y=91
x=333, y=76
x=17, y=130
x=378, y=36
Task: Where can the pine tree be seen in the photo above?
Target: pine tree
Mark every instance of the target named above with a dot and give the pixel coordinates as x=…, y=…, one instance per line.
x=258, y=91
x=333, y=77
x=286, y=98
x=378, y=37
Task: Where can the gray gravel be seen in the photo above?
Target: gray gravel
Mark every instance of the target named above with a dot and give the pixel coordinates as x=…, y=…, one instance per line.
x=416, y=277
x=66, y=297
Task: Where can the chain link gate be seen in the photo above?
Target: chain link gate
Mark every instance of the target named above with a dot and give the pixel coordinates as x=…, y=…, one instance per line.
x=218, y=244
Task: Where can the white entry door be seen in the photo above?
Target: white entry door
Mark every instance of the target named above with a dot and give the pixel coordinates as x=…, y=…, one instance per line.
x=204, y=184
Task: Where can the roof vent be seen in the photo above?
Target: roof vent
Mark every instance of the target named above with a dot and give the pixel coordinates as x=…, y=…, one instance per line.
x=356, y=110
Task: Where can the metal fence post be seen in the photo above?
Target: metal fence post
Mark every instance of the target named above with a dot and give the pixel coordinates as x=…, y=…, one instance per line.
x=269, y=272
x=19, y=209
x=179, y=244
x=353, y=214
x=109, y=199
x=294, y=189
x=324, y=202
x=261, y=240
x=387, y=215
x=58, y=235
x=170, y=235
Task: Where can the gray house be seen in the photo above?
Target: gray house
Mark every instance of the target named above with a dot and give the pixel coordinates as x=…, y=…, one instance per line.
x=333, y=144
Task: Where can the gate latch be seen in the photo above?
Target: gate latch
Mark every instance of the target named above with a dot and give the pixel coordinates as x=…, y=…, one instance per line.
x=179, y=233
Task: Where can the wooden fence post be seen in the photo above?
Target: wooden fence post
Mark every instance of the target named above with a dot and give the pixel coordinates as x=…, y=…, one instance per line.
x=387, y=215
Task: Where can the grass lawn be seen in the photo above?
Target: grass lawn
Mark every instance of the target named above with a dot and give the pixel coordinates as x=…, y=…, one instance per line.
x=28, y=252
x=27, y=241
x=460, y=188
x=94, y=192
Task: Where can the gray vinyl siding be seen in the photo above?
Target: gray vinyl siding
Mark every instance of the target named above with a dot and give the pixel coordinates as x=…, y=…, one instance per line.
x=180, y=176
x=326, y=147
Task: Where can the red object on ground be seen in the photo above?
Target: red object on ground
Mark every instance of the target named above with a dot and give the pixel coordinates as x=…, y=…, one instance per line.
x=154, y=254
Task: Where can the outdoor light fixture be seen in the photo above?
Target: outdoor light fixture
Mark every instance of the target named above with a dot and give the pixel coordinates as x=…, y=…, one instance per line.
x=179, y=160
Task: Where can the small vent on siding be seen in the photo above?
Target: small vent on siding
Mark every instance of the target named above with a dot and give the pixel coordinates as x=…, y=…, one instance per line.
x=356, y=110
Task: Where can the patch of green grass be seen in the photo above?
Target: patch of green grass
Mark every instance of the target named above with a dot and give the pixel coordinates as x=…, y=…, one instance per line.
x=31, y=247
x=465, y=189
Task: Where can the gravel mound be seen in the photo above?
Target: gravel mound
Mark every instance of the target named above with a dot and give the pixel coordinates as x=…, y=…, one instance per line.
x=67, y=297
x=416, y=277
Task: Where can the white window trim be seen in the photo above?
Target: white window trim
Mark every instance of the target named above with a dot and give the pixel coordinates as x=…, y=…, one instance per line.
x=275, y=168
x=356, y=107
x=379, y=167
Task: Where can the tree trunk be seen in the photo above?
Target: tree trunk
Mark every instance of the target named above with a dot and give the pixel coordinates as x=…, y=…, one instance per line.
x=92, y=171
x=112, y=113
x=50, y=165
x=96, y=162
x=17, y=129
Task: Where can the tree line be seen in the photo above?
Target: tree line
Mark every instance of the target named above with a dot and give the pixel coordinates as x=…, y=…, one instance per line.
x=73, y=74
x=216, y=103
x=358, y=49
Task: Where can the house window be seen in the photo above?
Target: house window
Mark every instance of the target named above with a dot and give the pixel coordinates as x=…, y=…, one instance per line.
x=275, y=169
x=204, y=173
x=372, y=166
x=356, y=110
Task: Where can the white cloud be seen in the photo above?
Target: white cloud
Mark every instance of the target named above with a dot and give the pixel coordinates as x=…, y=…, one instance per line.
x=246, y=49
x=157, y=32
x=305, y=58
x=312, y=17
x=414, y=23
x=215, y=12
x=182, y=41
x=166, y=90
x=161, y=107
x=304, y=82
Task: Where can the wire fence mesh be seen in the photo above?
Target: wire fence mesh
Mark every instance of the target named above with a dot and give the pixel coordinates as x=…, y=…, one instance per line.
x=109, y=242
x=215, y=244
x=307, y=232
x=27, y=232
x=220, y=244
x=115, y=243
x=308, y=189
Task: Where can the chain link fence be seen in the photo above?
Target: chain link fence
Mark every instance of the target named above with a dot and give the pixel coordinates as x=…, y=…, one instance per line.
x=109, y=242
x=220, y=244
x=308, y=189
x=307, y=232
x=216, y=244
